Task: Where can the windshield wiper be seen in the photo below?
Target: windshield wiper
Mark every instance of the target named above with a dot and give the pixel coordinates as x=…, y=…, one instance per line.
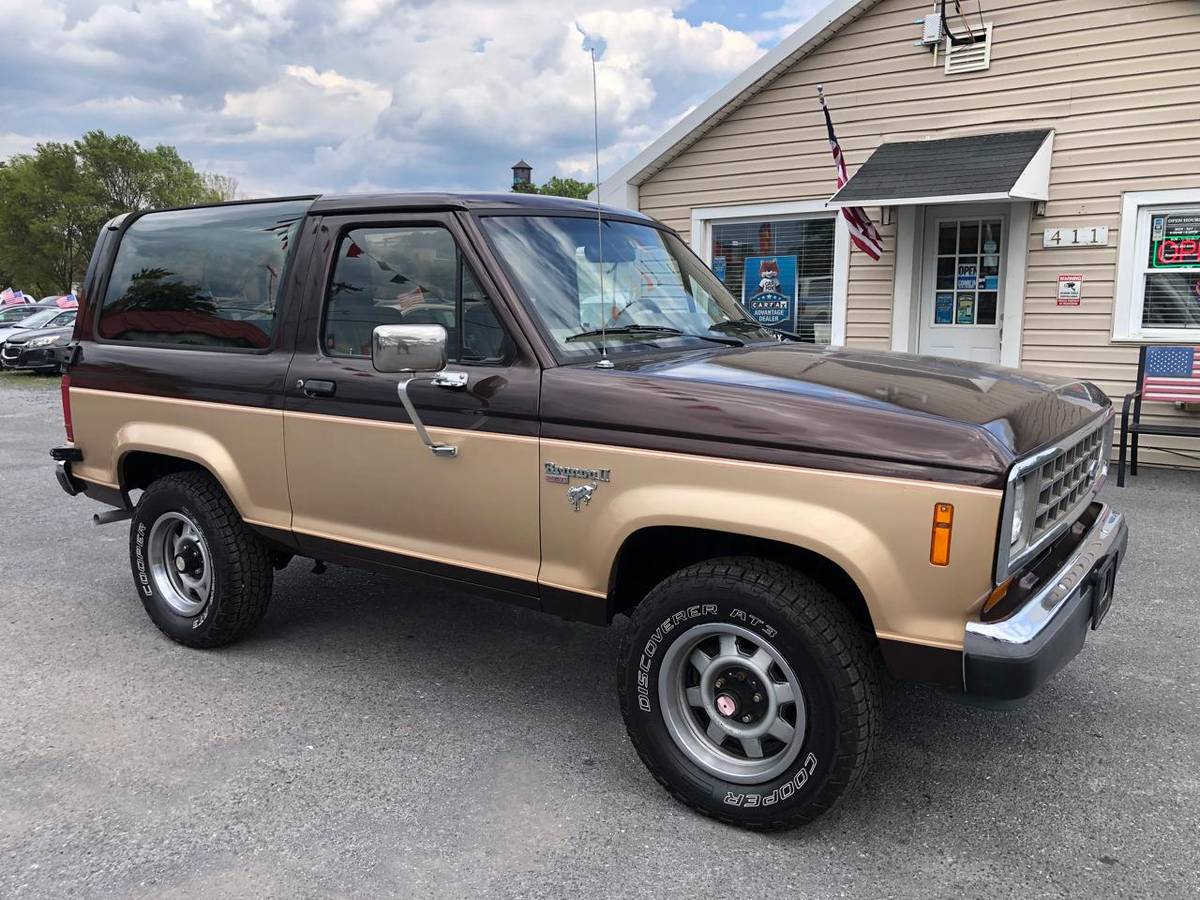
x=750, y=325
x=635, y=330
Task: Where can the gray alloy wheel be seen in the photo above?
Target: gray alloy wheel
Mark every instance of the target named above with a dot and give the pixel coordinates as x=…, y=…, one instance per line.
x=180, y=563
x=732, y=703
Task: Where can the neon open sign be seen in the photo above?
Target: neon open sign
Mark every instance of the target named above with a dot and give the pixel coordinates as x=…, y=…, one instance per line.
x=1174, y=240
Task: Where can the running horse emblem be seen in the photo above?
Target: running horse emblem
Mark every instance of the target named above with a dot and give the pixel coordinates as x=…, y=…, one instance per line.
x=580, y=495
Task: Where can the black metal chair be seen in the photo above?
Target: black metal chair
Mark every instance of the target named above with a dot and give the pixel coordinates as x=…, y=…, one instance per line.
x=1166, y=374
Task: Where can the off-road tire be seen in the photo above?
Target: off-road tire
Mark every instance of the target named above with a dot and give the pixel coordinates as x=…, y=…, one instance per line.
x=242, y=574
x=827, y=650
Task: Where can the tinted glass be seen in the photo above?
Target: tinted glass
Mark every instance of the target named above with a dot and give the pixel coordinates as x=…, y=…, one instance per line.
x=408, y=276
x=637, y=278
x=206, y=277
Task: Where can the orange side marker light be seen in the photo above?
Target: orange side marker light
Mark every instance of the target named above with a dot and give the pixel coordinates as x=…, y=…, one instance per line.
x=943, y=525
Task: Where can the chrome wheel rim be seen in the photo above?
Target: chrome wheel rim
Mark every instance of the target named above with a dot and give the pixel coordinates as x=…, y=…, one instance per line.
x=180, y=563
x=743, y=729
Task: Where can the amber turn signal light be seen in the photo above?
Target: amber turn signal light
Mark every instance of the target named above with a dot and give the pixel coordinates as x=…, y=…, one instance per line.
x=943, y=525
x=998, y=594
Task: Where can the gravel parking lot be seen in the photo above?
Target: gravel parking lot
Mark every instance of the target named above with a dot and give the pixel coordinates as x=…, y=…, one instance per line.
x=377, y=738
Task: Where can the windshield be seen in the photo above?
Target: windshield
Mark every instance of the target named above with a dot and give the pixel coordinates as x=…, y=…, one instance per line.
x=645, y=286
x=37, y=319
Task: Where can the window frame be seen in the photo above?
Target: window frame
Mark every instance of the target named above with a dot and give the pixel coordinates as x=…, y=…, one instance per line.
x=417, y=222
x=1133, y=248
x=96, y=307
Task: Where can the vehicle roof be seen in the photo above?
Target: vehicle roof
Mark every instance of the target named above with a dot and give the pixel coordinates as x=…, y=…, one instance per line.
x=477, y=200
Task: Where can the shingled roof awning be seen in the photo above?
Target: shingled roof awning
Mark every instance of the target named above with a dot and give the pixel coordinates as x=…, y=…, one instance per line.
x=1006, y=166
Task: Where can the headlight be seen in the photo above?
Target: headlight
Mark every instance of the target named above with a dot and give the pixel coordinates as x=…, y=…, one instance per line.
x=44, y=341
x=1018, y=519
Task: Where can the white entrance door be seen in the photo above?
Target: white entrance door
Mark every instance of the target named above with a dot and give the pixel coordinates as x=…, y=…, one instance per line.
x=962, y=282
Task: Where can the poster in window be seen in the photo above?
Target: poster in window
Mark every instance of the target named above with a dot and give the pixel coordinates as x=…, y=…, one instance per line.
x=943, y=309
x=1174, y=240
x=769, y=289
x=718, y=267
x=966, y=309
x=968, y=277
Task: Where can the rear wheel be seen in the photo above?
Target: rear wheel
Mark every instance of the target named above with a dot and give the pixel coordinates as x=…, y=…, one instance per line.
x=749, y=692
x=204, y=577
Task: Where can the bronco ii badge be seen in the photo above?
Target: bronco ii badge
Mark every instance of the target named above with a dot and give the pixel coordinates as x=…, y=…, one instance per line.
x=557, y=474
x=580, y=495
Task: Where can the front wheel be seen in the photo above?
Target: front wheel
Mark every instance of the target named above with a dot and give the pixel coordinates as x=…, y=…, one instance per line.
x=749, y=692
x=204, y=577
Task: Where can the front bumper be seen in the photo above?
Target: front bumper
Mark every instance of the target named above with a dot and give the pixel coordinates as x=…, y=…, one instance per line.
x=37, y=359
x=1011, y=658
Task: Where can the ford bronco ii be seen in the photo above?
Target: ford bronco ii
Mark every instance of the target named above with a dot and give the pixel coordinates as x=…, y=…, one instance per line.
x=563, y=407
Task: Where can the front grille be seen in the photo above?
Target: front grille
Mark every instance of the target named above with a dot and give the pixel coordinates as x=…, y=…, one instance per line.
x=1067, y=480
x=11, y=353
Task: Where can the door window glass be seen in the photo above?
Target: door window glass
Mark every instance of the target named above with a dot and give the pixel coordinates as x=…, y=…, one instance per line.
x=789, y=284
x=967, y=279
x=207, y=277
x=408, y=276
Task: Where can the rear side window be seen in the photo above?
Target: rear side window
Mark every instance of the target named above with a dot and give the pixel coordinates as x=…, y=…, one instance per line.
x=409, y=276
x=205, y=277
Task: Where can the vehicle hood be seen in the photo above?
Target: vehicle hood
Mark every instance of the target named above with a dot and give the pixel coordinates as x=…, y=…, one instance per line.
x=915, y=411
x=26, y=334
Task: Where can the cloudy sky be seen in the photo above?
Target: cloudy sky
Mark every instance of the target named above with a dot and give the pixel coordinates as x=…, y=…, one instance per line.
x=293, y=96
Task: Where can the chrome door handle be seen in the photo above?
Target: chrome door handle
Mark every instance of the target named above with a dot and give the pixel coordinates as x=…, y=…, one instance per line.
x=453, y=380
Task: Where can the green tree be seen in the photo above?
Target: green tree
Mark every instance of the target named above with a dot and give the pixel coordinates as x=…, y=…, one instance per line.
x=557, y=187
x=54, y=201
x=566, y=187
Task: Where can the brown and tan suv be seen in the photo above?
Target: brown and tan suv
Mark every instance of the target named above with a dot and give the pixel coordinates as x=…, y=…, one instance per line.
x=561, y=406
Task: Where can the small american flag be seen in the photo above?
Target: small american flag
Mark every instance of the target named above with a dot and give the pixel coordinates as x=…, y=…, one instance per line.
x=1172, y=375
x=862, y=230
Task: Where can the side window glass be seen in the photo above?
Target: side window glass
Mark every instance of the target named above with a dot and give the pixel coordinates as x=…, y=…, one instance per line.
x=483, y=337
x=408, y=276
x=207, y=277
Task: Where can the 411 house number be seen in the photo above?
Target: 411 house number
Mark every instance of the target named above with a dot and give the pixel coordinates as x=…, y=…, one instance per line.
x=1095, y=236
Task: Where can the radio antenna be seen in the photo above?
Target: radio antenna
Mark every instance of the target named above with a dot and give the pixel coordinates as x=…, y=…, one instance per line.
x=604, y=362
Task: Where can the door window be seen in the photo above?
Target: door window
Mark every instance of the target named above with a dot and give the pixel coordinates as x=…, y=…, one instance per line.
x=967, y=282
x=409, y=276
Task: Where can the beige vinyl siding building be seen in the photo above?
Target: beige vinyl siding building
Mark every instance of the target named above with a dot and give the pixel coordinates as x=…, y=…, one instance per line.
x=1115, y=82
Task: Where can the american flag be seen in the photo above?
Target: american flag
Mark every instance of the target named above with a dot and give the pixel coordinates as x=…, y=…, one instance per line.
x=862, y=229
x=1172, y=375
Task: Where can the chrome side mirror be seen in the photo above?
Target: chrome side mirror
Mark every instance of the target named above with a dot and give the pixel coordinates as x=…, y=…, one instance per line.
x=408, y=348
x=411, y=350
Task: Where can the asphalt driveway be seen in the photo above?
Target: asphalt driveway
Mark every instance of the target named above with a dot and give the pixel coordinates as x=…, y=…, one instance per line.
x=383, y=738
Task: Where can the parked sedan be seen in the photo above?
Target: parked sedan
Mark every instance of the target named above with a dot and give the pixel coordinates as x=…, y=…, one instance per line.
x=37, y=350
x=34, y=317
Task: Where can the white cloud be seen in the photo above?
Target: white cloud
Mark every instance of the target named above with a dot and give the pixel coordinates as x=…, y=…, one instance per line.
x=293, y=95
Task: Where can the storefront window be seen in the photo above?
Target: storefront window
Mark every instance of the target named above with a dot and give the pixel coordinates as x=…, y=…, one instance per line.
x=781, y=270
x=1158, y=277
x=1171, y=280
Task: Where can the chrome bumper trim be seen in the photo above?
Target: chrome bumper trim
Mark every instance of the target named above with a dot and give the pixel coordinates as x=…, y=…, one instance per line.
x=1024, y=626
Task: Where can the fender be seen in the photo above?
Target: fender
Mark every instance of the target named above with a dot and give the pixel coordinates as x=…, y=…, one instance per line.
x=877, y=529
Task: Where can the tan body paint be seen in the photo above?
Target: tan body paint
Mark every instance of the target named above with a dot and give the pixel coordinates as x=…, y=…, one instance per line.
x=490, y=509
